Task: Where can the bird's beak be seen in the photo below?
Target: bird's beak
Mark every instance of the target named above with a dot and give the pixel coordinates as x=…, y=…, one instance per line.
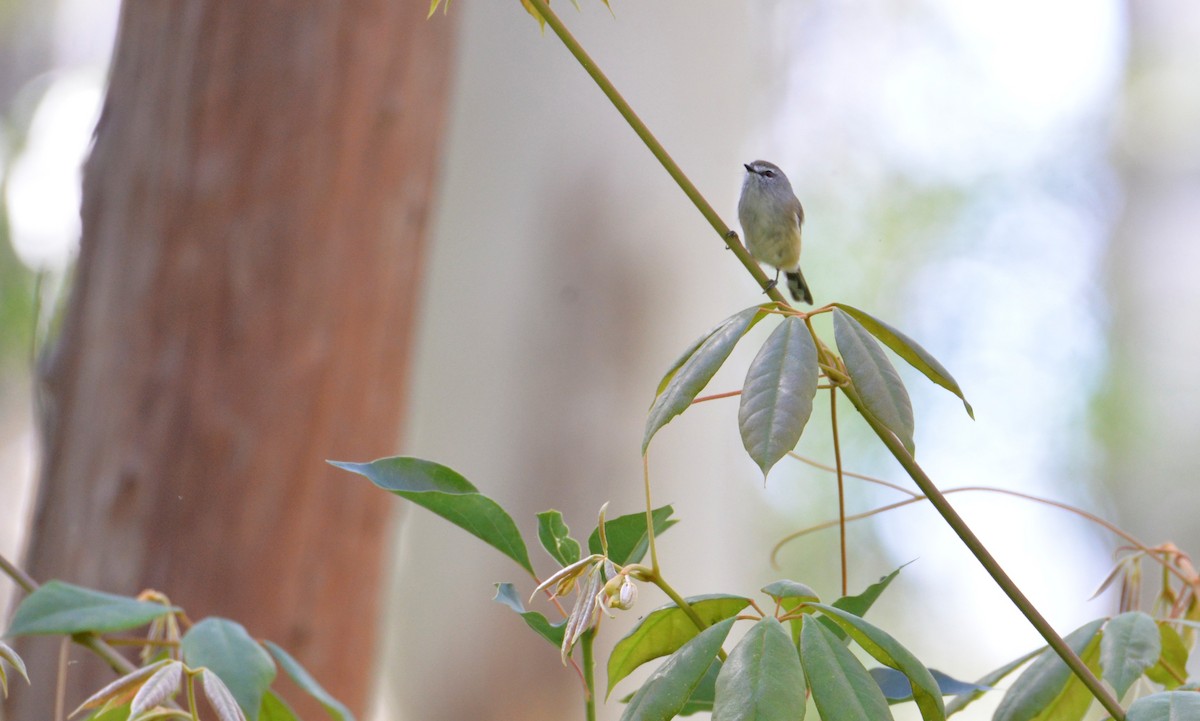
x=748, y=168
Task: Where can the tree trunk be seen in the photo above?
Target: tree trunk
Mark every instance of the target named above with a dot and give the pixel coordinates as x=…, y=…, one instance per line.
x=253, y=218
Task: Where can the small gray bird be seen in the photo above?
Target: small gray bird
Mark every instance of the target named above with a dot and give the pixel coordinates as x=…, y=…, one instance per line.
x=771, y=217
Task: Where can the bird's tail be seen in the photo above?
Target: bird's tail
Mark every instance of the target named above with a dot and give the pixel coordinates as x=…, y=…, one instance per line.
x=798, y=287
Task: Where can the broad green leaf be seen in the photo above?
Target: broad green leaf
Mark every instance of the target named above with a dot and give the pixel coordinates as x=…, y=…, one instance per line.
x=777, y=397
x=275, y=708
x=556, y=537
x=223, y=647
x=909, y=350
x=874, y=377
x=762, y=680
x=1166, y=706
x=690, y=375
x=1131, y=644
x=889, y=652
x=666, y=691
x=989, y=680
x=704, y=694
x=1171, y=669
x=446, y=493
x=790, y=595
x=841, y=687
x=59, y=608
x=300, y=675
x=507, y=595
x=780, y=590
x=666, y=629
x=1048, y=690
x=627, y=539
x=897, y=688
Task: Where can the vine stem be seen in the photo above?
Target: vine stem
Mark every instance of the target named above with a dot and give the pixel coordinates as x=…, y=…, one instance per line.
x=589, y=676
x=656, y=148
x=893, y=444
x=837, y=455
x=985, y=558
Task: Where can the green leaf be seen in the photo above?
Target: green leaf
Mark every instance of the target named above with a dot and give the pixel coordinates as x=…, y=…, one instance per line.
x=989, y=680
x=223, y=647
x=1171, y=669
x=861, y=603
x=691, y=374
x=780, y=590
x=433, y=6
x=1131, y=644
x=666, y=691
x=59, y=608
x=1048, y=690
x=1166, y=706
x=762, y=680
x=300, y=675
x=909, y=350
x=790, y=595
x=556, y=537
x=627, y=539
x=666, y=629
x=446, y=493
x=877, y=382
x=507, y=595
x=704, y=694
x=897, y=688
x=841, y=688
x=276, y=709
x=889, y=652
x=777, y=397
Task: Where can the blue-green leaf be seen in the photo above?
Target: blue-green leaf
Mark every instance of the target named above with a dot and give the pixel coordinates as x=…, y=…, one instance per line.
x=507, y=595
x=762, y=680
x=336, y=709
x=777, y=397
x=874, y=377
x=692, y=372
x=58, y=608
x=1166, y=706
x=909, y=350
x=841, y=687
x=989, y=681
x=446, y=493
x=1130, y=645
x=223, y=647
x=896, y=687
x=666, y=691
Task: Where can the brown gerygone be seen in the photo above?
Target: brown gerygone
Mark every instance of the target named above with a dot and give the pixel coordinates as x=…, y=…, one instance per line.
x=771, y=217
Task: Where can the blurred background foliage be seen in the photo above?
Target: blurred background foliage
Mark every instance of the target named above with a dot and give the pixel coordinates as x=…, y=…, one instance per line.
x=1016, y=185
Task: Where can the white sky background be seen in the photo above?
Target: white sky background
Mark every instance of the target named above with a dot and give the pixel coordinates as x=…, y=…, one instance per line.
x=996, y=117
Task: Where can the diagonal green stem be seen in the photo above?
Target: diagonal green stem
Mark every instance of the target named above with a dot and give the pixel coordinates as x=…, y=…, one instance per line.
x=985, y=558
x=918, y=475
x=668, y=163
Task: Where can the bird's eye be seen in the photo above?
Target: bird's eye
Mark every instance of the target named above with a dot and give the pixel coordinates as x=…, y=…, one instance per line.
x=769, y=173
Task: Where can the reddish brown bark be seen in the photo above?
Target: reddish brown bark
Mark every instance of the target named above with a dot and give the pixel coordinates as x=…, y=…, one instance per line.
x=254, y=211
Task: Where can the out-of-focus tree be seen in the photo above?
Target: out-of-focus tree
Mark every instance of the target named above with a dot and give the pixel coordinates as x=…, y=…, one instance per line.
x=253, y=214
